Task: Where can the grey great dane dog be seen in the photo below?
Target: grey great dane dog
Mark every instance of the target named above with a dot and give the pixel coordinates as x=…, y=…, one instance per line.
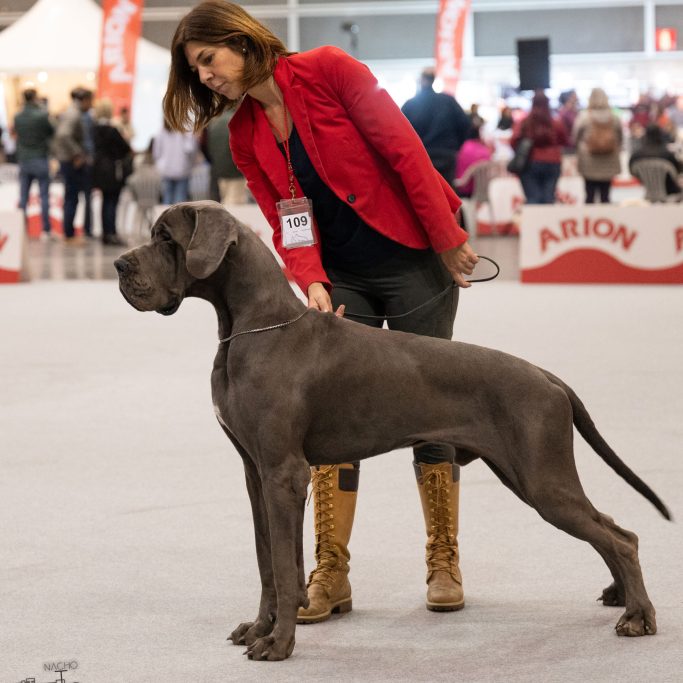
x=294, y=387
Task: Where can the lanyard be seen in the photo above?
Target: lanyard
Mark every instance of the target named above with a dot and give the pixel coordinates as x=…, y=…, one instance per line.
x=285, y=143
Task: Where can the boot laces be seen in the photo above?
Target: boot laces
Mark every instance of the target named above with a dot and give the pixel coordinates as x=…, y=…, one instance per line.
x=325, y=552
x=442, y=549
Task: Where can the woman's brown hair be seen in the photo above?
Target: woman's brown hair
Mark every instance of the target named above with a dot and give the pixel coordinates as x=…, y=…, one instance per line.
x=190, y=104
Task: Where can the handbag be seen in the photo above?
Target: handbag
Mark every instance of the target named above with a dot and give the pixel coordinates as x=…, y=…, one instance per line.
x=518, y=164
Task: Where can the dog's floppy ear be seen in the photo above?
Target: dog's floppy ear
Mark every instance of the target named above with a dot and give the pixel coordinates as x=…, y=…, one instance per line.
x=215, y=230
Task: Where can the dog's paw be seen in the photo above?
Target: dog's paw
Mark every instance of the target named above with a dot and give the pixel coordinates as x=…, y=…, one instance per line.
x=248, y=632
x=640, y=622
x=613, y=596
x=270, y=649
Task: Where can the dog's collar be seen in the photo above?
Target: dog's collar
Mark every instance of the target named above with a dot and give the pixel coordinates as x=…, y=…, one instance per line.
x=263, y=329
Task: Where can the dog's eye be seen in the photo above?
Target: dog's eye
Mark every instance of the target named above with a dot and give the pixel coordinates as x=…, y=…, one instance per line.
x=164, y=236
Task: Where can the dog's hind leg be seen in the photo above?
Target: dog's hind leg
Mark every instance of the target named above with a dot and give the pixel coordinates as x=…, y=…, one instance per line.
x=563, y=504
x=614, y=595
x=248, y=632
x=284, y=483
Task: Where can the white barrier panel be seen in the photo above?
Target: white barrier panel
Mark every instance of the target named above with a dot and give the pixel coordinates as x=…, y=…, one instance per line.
x=506, y=198
x=11, y=245
x=602, y=243
x=9, y=199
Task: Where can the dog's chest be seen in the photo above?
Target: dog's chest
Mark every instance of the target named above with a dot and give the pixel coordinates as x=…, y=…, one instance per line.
x=219, y=416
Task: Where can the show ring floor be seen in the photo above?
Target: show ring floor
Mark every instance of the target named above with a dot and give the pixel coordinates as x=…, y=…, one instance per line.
x=126, y=530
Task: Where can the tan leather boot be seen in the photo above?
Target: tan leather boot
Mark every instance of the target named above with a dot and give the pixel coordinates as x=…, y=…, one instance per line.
x=440, y=494
x=335, y=488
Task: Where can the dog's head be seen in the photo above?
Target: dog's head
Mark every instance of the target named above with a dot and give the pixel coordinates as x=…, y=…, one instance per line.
x=189, y=242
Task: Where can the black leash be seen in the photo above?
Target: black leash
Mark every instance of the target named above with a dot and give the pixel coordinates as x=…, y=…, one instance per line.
x=426, y=303
x=376, y=317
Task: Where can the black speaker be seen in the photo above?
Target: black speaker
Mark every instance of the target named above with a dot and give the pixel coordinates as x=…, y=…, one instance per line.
x=534, y=63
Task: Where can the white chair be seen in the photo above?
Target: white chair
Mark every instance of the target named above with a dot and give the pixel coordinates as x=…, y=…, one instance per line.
x=9, y=173
x=145, y=186
x=481, y=174
x=653, y=174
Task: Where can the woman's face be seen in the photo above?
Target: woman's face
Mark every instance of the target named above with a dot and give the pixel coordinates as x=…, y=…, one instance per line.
x=219, y=68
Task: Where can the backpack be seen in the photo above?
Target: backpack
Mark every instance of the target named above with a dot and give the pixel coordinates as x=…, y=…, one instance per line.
x=601, y=137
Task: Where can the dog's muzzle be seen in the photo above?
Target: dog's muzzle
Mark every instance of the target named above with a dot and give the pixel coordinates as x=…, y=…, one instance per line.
x=135, y=293
x=170, y=308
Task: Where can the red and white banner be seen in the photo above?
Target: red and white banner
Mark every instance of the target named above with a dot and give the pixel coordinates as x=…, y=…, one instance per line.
x=602, y=244
x=450, y=32
x=11, y=245
x=121, y=27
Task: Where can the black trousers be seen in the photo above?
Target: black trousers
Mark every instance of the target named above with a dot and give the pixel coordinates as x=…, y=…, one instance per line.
x=597, y=186
x=396, y=286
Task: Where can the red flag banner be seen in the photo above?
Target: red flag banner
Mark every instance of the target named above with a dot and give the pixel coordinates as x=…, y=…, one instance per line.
x=450, y=31
x=121, y=27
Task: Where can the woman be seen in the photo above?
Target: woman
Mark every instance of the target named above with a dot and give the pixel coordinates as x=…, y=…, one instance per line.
x=111, y=150
x=598, y=138
x=548, y=137
x=473, y=151
x=316, y=125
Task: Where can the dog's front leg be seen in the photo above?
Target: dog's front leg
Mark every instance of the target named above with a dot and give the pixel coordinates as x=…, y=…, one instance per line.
x=247, y=633
x=284, y=490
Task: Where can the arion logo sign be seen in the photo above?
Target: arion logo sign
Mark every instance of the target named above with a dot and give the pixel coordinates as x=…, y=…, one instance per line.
x=450, y=30
x=121, y=26
x=594, y=243
x=603, y=229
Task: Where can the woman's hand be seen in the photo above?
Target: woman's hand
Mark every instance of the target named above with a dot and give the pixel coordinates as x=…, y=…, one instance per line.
x=319, y=298
x=460, y=260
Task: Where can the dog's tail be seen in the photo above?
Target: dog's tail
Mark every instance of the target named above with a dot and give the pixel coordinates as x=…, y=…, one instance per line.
x=586, y=427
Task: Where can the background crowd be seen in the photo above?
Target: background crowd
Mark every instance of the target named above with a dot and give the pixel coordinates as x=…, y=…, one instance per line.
x=88, y=147
x=594, y=137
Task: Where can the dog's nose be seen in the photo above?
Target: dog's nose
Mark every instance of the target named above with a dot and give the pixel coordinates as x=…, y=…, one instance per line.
x=122, y=266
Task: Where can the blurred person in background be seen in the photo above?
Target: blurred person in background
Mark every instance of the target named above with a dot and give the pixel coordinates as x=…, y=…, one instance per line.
x=676, y=116
x=475, y=117
x=474, y=150
x=111, y=151
x=124, y=125
x=548, y=136
x=568, y=109
x=33, y=131
x=653, y=146
x=226, y=185
x=174, y=155
x=598, y=138
x=74, y=148
x=505, y=121
x=440, y=122
x=567, y=113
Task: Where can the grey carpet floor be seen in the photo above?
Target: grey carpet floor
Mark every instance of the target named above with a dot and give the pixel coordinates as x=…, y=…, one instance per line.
x=125, y=526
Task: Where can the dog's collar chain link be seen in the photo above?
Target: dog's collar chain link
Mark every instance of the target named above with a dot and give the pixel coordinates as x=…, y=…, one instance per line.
x=263, y=329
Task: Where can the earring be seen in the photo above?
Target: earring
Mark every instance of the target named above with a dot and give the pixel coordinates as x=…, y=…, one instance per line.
x=244, y=50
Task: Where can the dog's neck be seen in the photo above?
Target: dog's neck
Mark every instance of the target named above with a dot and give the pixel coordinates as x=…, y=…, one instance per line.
x=249, y=289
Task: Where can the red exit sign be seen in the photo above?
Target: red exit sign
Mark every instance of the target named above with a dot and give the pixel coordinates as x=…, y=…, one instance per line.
x=665, y=39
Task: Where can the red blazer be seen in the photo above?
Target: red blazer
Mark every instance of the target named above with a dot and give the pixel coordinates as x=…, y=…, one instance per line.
x=362, y=147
